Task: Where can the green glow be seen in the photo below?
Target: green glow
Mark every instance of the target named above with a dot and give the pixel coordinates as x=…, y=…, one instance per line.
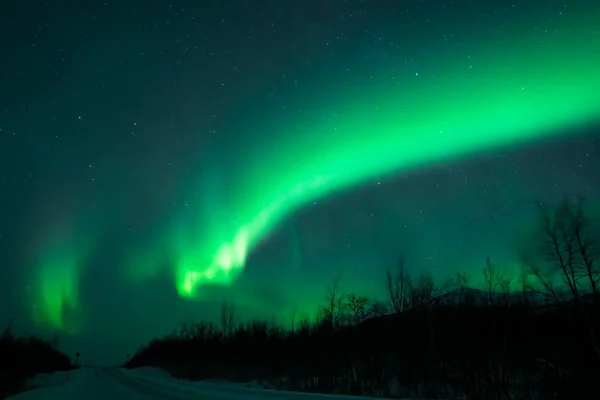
x=230, y=256
x=59, y=263
x=58, y=280
x=527, y=89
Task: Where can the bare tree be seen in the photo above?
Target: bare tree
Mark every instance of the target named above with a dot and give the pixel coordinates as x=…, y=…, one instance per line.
x=425, y=296
x=227, y=318
x=304, y=323
x=359, y=306
x=569, y=248
x=377, y=309
x=587, y=244
x=505, y=280
x=294, y=311
x=497, y=281
x=525, y=286
x=558, y=246
x=334, y=306
x=461, y=281
x=399, y=287
x=490, y=281
x=187, y=330
x=424, y=293
x=547, y=289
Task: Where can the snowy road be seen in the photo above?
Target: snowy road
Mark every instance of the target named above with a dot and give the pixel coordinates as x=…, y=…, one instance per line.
x=123, y=384
x=101, y=384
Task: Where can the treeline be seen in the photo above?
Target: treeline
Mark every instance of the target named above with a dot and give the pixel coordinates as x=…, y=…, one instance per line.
x=527, y=334
x=23, y=357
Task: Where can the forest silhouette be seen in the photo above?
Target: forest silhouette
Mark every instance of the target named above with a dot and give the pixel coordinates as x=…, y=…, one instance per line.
x=524, y=334
x=527, y=334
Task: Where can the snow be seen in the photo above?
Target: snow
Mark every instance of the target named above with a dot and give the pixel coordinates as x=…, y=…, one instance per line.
x=41, y=380
x=149, y=384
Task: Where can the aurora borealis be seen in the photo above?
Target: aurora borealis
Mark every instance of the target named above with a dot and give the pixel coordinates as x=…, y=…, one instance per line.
x=158, y=159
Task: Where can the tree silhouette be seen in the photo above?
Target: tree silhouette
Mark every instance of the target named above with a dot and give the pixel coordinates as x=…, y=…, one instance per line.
x=359, y=307
x=442, y=339
x=490, y=281
x=569, y=248
x=227, y=318
x=333, y=310
x=399, y=287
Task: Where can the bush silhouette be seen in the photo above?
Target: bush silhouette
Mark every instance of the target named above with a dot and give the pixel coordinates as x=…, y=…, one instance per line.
x=23, y=357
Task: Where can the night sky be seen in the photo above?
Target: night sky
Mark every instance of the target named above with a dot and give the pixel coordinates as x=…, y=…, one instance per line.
x=158, y=158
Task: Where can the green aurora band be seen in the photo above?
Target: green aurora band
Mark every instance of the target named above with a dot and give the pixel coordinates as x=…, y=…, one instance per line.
x=532, y=88
x=60, y=260
x=523, y=87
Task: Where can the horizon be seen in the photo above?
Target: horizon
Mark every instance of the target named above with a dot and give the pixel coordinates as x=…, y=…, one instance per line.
x=160, y=159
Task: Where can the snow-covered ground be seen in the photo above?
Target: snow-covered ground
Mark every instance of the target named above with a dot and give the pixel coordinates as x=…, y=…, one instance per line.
x=148, y=384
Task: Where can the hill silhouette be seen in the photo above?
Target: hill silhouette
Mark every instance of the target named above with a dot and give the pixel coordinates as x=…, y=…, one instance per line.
x=520, y=336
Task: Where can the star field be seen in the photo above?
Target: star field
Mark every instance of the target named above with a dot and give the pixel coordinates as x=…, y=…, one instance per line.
x=157, y=158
